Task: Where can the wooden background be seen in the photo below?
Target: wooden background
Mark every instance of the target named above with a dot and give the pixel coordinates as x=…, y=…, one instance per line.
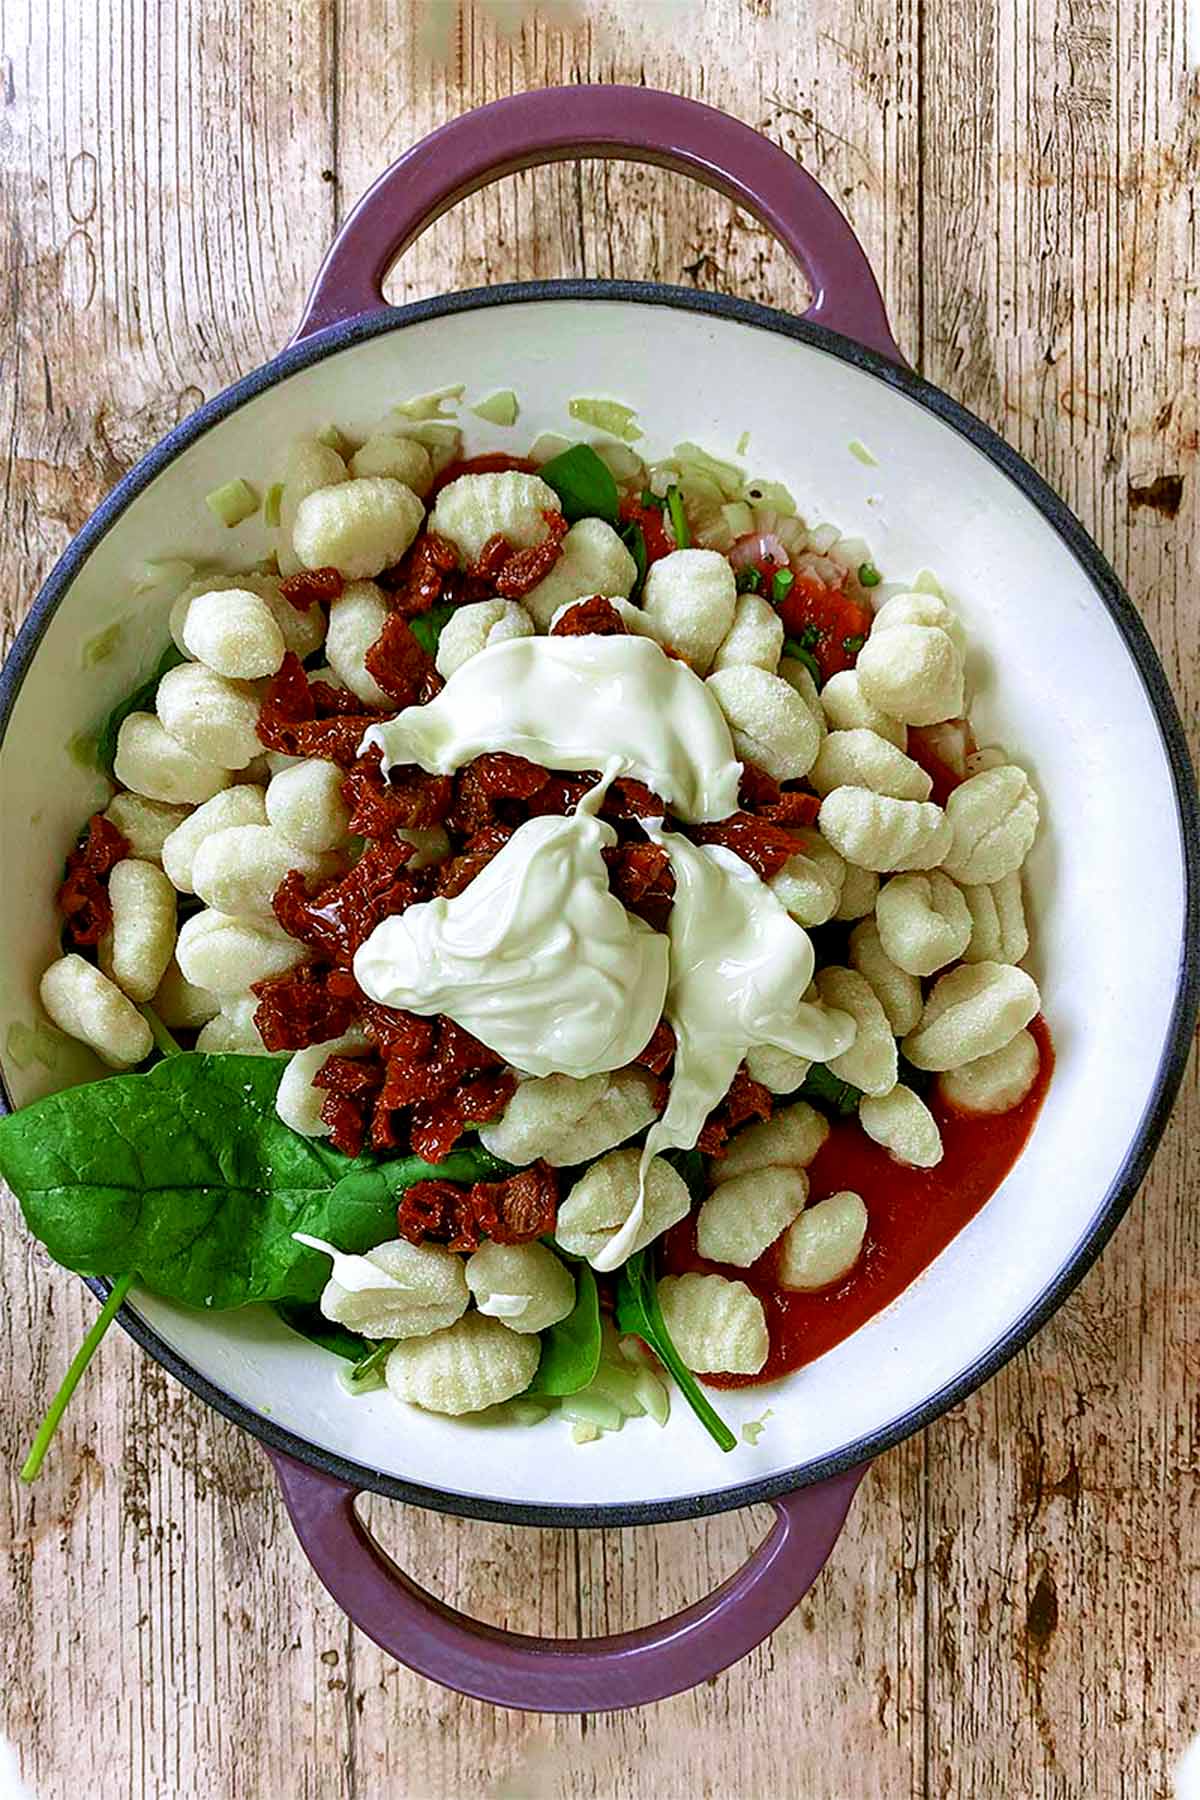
x=1015, y=1608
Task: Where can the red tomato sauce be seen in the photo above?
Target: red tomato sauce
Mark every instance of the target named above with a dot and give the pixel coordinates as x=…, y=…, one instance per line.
x=913, y=1214
x=944, y=778
x=496, y=462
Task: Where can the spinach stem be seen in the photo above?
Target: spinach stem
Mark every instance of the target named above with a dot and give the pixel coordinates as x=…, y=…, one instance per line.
x=70, y=1380
x=167, y=1044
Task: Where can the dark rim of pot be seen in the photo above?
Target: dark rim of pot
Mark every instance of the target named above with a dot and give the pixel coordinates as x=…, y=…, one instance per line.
x=1078, y=542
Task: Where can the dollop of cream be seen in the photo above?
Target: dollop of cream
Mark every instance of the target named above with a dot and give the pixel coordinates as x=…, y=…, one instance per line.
x=536, y=958
x=553, y=700
x=357, y=1274
x=740, y=966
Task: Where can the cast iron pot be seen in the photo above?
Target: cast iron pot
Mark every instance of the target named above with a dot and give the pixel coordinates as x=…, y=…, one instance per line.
x=1063, y=672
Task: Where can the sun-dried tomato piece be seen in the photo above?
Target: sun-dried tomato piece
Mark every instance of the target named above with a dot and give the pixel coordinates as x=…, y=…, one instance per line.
x=437, y=1126
x=516, y=1210
x=459, y=872
x=402, y=667
x=756, y=788
x=297, y=1009
x=423, y=576
x=103, y=848
x=656, y=1055
x=595, y=617
x=491, y=559
x=426, y=1211
x=746, y=1099
x=560, y=796
x=641, y=877
x=331, y=702
x=343, y=913
x=288, y=718
x=350, y=1076
x=760, y=843
x=83, y=897
x=406, y=799
x=397, y=1033
x=490, y=779
x=525, y=1204
x=630, y=799
x=308, y=585
x=347, y=1122
x=525, y=568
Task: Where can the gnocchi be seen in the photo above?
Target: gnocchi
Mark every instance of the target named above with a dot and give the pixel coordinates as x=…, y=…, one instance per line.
x=308, y=467
x=755, y=636
x=304, y=805
x=860, y=890
x=742, y=1217
x=423, y=1288
x=993, y=817
x=358, y=527
x=779, y=1071
x=971, y=1012
x=356, y=619
x=180, y=1004
x=144, y=824
x=769, y=722
x=525, y=1286
x=226, y=955
x=904, y=1125
x=861, y=758
x=237, y=869
x=603, y=1199
x=155, y=765
x=824, y=1244
x=593, y=561
x=472, y=628
x=810, y=884
x=241, y=805
x=994, y=1083
x=998, y=929
x=870, y=1062
x=215, y=720
x=565, y=1119
x=898, y=992
x=914, y=673
x=689, y=601
x=84, y=1003
x=138, y=948
x=789, y=1139
x=847, y=708
x=233, y=632
x=233, y=1028
x=924, y=921
x=506, y=504
x=297, y=1101
x=399, y=458
x=471, y=1365
x=717, y=1326
x=877, y=832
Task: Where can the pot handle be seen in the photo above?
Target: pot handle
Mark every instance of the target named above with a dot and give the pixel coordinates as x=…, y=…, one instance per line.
x=641, y=124
x=535, y=1674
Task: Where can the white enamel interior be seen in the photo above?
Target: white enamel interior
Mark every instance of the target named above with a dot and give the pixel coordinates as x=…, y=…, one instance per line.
x=1053, y=680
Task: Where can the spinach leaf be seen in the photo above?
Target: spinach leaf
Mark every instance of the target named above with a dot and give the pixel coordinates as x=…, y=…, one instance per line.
x=141, y=700
x=427, y=627
x=308, y=1321
x=638, y=1312
x=690, y=1165
x=571, y=1349
x=186, y=1175
x=825, y=1090
x=634, y=540
x=583, y=483
x=801, y=653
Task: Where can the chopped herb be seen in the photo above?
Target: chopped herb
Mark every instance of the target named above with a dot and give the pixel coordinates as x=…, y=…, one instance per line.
x=749, y=580
x=825, y=1090
x=70, y=1380
x=583, y=483
x=639, y=1313
x=273, y=504
x=167, y=1043
x=799, y=651
x=649, y=498
x=781, y=583
x=853, y=644
x=869, y=575
x=232, y=502
x=679, y=524
x=607, y=415
x=427, y=627
x=498, y=409
x=367, y=1373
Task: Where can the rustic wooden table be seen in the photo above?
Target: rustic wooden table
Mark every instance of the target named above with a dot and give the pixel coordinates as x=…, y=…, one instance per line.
x=1014, y=1609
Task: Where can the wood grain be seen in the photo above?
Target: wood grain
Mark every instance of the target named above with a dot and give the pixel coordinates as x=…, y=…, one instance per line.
x=1012, y=1609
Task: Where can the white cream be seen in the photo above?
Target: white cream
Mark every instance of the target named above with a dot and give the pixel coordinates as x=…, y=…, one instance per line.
x=357, y=1274
x=503, y=1306
x=536, y=957
x=740, y=966
x=556, y=700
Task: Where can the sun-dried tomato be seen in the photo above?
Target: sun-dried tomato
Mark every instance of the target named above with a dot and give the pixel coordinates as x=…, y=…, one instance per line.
x=746, y=1099
x=297, y=1009
x=460, y=871
x=397, y=1033
x=437, y=1126
x=344, y=912
x=516, y=1210
x=525, y=568
x=426, y=1211
x=757, y=789
x=406, y=799
x=560, y=796
x=422, y=576
x=309, y=585
x=641, y=877
x=595, y=617
x=331, y=702
x=401, y=666
x=491, y=559
x=347, y=1122
x=525, y=1205
x=490, y=779
x=630, y=799
x=288, y=718
x=83, y=897
x=760, y=843
x=350, y=1076
x=656, y=1055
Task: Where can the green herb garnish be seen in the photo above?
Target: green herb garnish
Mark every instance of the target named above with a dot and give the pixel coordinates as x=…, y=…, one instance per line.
x=70, y=1380
x=749, y=580
x=367, y=1372
x=799, y=652
x=427, y=627
x=639, y=1313
x=853, y=644
x=679, y=524
x=869, y=575
x=650, y=499
x=585, y=485
x=825, y=1090
x=781, y=583
x=634, y=540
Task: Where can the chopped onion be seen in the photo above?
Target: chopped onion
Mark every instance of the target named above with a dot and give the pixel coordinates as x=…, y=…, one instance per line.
x=98, y=649
x=442, y=403
x=272, y=504
x=157, y=574
x=232, y=502
x=607, y=415
x=760, y=546
x=498, y=409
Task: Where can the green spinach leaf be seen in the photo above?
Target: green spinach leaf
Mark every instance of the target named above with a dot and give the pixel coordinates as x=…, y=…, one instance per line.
x=634, y=540
x=825, y=1090
x=427, y=627
x=638, y=1312
x=186, y=1175
x=571, y=1349
x=141, y=700
x=583, y=483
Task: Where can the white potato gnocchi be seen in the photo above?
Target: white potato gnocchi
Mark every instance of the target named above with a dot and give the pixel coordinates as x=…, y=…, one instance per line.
x=870, y=1062
x=789, y=1139
x=717, y=1326
x=565, y=1119
x=742, y=1217
x=505, y=504
x=860, y=890
x=974, y=1010
x=358, y=527
x=234, y=632
x=304, y=805
x=244, y=804
x=602, y=1200
x=525, y=1286
x=356, y=619
x=689, y=601
x=225, y=955
x=593, y=561
x=303, y=631
x=799, y=678
x=237, y=870
x=824, y=1244
x=233, y=1028
x=144, y=824
x=756, y=636
x=994, y=1083
x=924, y=921
x=152, y=763
x=471, y=629
x=214, y=719
x=84, y=1003
x=768, y=721
x=904, y=1125
x=140, y=943
x=998, y=929
x=308, y=467
x=779, y=1071
x=898, y=992
x=810, y=884
x=993, y=818
x=473, y=1364
x=847, y=708
x=877, y=832
x=180, y=1004
x=297, y=1101
x=399, y=458
x=912, y=672
x=861, y=758
x=424, y=1289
